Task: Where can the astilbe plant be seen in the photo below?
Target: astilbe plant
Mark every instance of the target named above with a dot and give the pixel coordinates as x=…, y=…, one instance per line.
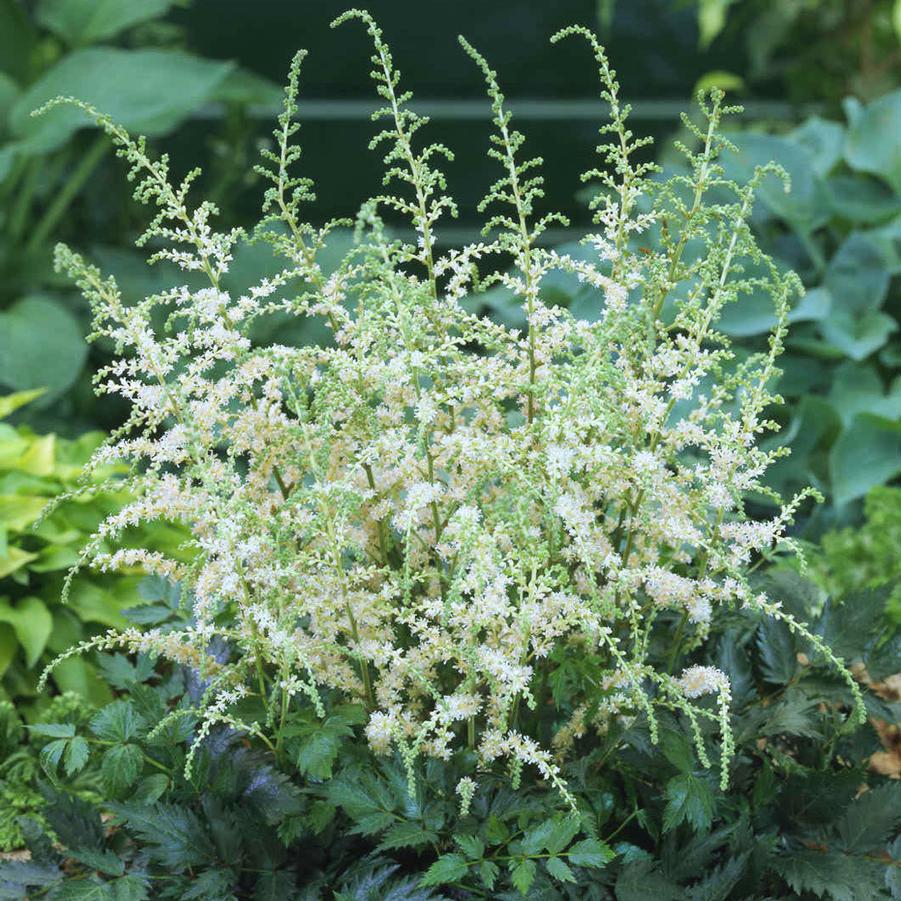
x=422, y=516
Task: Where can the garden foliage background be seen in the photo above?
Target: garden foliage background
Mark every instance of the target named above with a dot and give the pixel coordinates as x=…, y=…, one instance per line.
x=820, y=84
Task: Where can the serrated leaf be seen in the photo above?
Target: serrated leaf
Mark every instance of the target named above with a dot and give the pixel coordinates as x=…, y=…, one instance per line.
x=523, y=876
x=590, y=852
x=778, y=655
x=120, y=767
x=641, y=879
x=76, y=755
x=118, y=722
x=50, y=756
x=488, y=873
x=52, y=730
x=564, y=831
x=171, y=834
x=870, y=820
x=559, y=870
x=448, y=868
x=834, y=876
x=471, y=845
x=407, y=834
x=104, y=861
x=688, y=799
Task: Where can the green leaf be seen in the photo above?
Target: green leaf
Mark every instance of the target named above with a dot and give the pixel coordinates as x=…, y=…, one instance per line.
x=869, y=147
x=41, y=346
x=488, y=873
x=590, y=852
x=91, y=889
x=172, y=835
x=148, y=91
x=869, y=821
x=859, y=389
x=559, y=870
x=858, y=336
x=76, y=755
x=80, y=22
x=711, y=20
x=11, y=402
x=861, y=200
x=407, y=834
x=448, y=868
x=778, y=655
x=867, y=453
x=564, y=831
x=105, y=861
x=805, y=206
x=53, y=730
x=824, y=141
x=857, y=275
x=641, y=879
x=17, y=40
x=120, y=767
x=118, y=722
x=834, y=876
x=50, y=756
x=523, y=876
x=471, y=845
x=32, y=622
x=688, y=799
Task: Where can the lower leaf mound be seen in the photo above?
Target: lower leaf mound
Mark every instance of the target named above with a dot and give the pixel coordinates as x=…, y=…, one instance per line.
x=437, y=518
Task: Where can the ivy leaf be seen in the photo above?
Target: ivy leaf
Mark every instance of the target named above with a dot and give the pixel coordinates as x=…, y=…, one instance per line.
x=523, y=876
x=559, y=870
x=688, y=799
x=448, y=868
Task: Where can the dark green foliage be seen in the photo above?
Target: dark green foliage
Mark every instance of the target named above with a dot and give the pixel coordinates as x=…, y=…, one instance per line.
x=802, y=817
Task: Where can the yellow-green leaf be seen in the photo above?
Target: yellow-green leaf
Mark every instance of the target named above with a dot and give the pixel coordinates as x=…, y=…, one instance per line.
x=18, y=511
x=39, y=458
x=14, y=558
x=11, y=402
x=32, y=623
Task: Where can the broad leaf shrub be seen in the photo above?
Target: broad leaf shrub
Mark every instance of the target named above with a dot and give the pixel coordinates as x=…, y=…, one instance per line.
x=476, y=545
x=125, y=57
x=115, y=816
x=36, y=552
